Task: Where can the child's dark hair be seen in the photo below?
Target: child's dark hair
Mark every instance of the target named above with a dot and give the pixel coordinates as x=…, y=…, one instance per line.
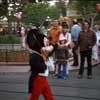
x=64, y=25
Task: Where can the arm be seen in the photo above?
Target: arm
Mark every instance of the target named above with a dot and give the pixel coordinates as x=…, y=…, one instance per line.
x=46, y=41
x=94, y=39
x=73, y=33
x=79, y=40
x=68, y=39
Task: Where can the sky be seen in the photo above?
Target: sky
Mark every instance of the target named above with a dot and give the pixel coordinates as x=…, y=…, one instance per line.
x=53, y=2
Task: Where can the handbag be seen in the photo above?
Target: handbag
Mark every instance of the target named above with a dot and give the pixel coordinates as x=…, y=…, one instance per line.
x=50, y=64
x=72, y=45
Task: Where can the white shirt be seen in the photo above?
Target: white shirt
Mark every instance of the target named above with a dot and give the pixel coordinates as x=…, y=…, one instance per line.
x=66, y=37
x=98, y=38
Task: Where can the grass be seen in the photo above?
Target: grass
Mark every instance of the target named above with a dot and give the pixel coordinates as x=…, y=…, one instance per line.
x=10, y=40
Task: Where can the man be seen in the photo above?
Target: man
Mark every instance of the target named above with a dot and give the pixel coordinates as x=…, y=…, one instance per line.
x=54, y=31
x=86, y=41
x=76, y=28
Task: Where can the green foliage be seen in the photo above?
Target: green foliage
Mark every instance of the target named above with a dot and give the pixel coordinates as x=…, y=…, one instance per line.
x=9, y=40
x=3, y=8
x=87, y=8
x=62, y=7
x=37, y=12
x=34, y=1
x=31, y=1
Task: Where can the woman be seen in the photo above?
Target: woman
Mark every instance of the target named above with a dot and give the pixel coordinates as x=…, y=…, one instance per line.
x=62, y=52
x=96, y=48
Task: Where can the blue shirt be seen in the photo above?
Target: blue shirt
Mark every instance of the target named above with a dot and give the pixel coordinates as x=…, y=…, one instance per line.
x=75, y=32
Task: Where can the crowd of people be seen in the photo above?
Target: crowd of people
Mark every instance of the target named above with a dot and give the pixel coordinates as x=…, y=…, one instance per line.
x=79, y=41
x=86, y=45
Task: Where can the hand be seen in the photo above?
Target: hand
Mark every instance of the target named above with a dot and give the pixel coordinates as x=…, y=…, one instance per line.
x=44, y=57
x=62, y=45
x=43, y=50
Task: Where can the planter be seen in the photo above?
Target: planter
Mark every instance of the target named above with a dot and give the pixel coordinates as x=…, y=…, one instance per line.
x=2, y=57
x=14, y=56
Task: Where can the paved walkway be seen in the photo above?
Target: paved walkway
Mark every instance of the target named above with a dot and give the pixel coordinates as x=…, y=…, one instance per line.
x=24, y=67
x=14, y=86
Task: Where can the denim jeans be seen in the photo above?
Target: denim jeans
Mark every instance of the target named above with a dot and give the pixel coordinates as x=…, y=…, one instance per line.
x=62, y=68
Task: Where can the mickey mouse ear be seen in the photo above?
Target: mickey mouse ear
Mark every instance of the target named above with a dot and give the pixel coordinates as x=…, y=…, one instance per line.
x=34, y=31
x=34, y=27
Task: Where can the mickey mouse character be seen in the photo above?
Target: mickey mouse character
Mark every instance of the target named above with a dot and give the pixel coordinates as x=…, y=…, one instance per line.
x=38, y=83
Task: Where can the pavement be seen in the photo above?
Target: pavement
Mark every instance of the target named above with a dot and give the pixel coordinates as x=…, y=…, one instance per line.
x=24, y=67
x=14, y=83
x=14, y=86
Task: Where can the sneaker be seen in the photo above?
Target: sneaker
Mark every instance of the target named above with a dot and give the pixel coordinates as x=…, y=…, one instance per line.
x=64, y=78
x=59, y=77
x=89, y=76
x=79, y=76
x=74, y=65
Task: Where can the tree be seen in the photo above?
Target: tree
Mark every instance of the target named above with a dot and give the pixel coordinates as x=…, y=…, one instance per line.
x=35, y=1
x=62, y=7
x=32, y=1
x=38, y=12
x=87, y=9
x=14, y=6
x=3, y=7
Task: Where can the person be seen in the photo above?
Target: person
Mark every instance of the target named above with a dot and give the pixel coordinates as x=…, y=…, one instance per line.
x=53, y=35
x=97, y=28
x=62, y=52
x=95, y=51
x=38, y=83
x=54, y=31
x=23, y=35
x=75, y=30
x=86, y=41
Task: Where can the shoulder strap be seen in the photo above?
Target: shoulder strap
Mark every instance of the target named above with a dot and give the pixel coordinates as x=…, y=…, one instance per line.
x=33, y=51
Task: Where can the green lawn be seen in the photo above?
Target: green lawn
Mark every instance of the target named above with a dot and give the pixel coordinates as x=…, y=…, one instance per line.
x=10, y=40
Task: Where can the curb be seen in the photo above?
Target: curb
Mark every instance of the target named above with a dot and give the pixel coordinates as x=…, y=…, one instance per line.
x=13, y=64
x=24, y=68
